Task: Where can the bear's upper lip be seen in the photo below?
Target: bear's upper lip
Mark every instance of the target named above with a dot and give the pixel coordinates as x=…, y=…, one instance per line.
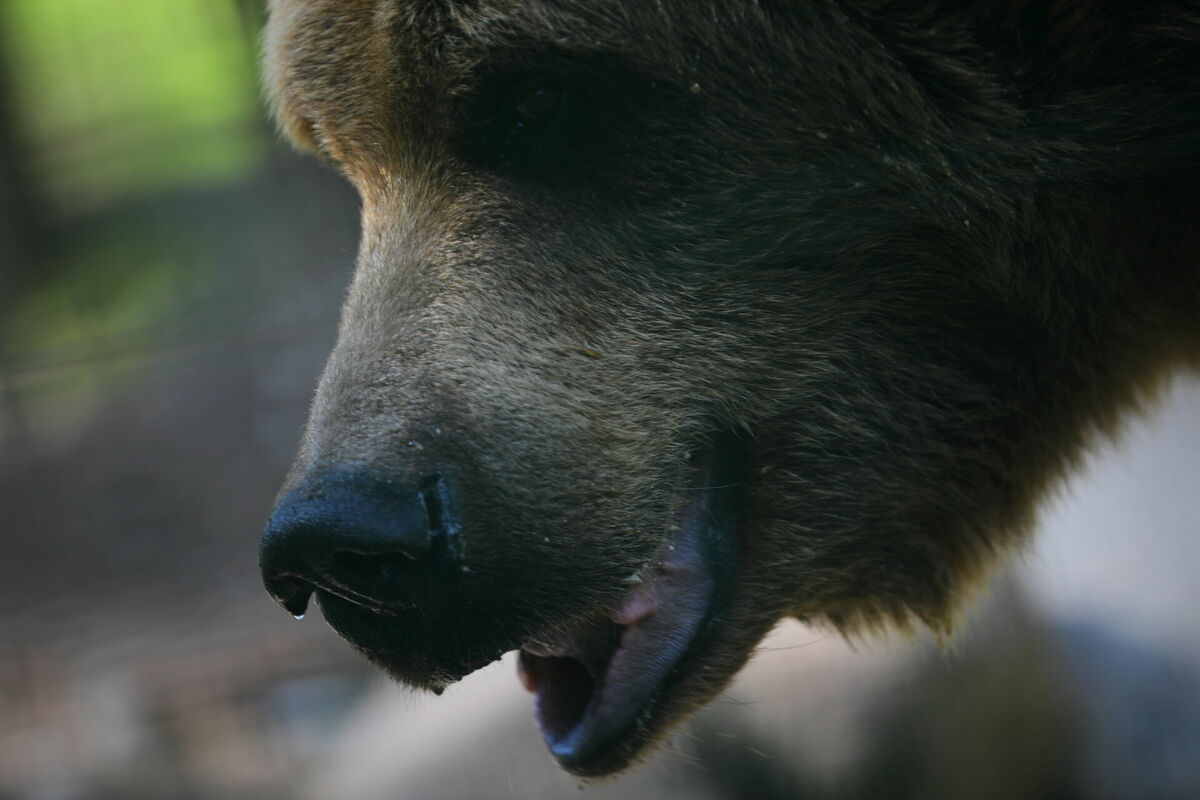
x=599, y=682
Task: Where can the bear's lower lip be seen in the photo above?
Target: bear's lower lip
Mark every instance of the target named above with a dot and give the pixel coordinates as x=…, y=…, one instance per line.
x=599, y=682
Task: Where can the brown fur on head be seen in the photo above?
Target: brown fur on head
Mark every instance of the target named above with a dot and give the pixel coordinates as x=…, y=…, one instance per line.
x=908, y=257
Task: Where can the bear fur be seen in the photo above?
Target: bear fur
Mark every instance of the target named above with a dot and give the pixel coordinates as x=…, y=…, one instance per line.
x=912, y=257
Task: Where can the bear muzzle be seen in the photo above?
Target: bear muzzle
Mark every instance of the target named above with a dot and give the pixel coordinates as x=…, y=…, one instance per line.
x=386, y=560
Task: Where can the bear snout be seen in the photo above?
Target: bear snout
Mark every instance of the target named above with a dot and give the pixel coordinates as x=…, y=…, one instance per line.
x=377, y=544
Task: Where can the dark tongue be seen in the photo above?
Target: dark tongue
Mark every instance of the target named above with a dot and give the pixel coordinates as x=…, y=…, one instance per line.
x=564, y=690
x=564, y=673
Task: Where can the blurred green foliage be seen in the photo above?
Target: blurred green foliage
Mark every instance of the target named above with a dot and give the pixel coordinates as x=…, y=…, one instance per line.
x=118, y=99
x=129, y=120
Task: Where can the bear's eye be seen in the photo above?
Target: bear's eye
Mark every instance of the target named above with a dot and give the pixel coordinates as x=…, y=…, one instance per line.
x=536, y=104
x=527, y=127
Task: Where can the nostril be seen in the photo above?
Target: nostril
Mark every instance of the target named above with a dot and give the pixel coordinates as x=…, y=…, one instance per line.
x=292, y=593
x=362, y=566
x=433, y=498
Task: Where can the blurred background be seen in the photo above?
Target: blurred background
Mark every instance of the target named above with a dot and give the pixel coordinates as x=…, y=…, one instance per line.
x=169, y=282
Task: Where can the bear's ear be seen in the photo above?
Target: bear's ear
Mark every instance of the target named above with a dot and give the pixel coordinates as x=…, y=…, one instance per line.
x=299, y=131
x=295, y=126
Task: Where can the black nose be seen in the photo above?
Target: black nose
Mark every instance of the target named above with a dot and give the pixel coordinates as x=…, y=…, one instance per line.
x=373, y=543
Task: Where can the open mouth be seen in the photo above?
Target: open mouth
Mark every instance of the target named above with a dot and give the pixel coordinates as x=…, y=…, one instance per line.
x=599, y=682
x=605, y=682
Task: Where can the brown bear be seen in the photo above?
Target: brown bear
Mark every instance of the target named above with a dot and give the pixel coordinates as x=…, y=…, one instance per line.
x=675, y=318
